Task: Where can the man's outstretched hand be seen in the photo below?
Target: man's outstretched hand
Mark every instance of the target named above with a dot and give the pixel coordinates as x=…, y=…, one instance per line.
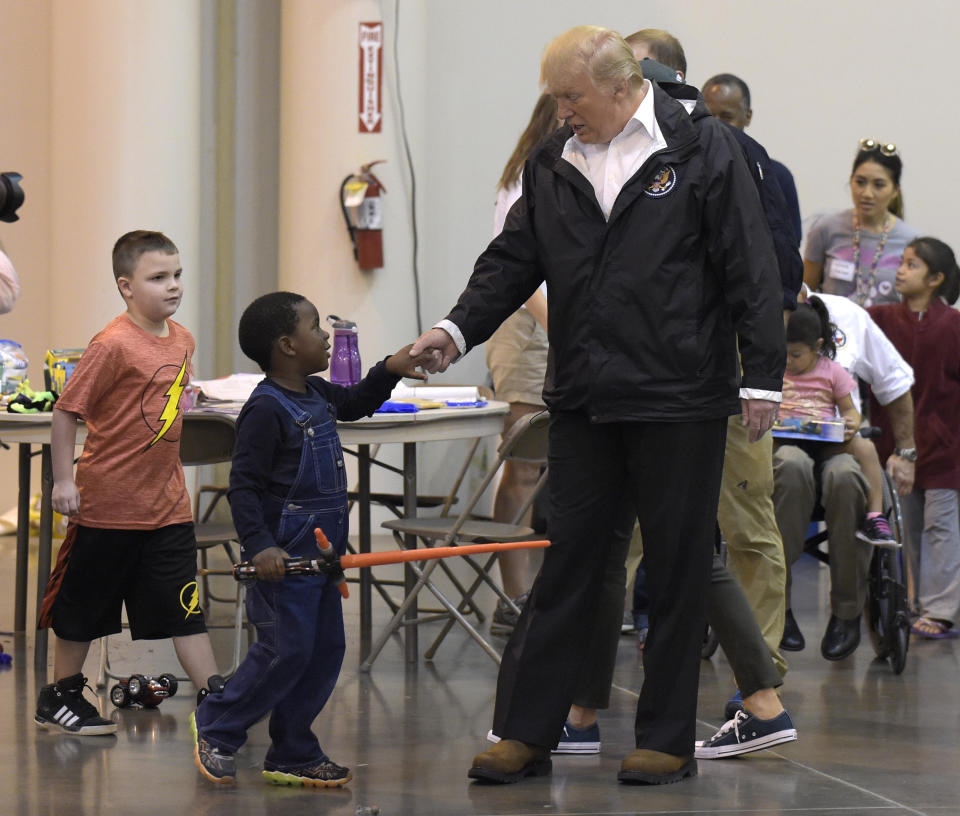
x=438, y=346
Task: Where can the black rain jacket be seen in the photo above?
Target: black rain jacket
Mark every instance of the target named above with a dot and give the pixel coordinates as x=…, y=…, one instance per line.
x=645, y=309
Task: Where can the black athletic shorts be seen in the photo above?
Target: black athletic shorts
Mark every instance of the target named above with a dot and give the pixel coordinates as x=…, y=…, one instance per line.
x=153, y=572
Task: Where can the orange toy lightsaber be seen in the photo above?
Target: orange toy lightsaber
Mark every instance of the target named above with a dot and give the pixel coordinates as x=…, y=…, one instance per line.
x=331, y=564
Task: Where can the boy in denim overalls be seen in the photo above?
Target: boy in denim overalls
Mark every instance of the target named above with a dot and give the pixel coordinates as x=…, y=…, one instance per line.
x=288, y=477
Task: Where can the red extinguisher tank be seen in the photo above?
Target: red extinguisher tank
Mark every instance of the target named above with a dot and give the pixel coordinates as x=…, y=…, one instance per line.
x=364, y=219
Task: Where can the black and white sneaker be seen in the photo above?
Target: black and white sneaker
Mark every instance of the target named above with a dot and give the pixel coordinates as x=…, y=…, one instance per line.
x=62, y=706
x=746, y=733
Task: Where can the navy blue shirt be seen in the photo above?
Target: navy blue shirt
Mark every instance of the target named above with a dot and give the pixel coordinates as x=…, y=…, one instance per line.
x=266, y=456
x=789, y=189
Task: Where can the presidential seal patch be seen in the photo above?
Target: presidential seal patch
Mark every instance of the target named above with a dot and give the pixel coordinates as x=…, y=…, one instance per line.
x=664, y=182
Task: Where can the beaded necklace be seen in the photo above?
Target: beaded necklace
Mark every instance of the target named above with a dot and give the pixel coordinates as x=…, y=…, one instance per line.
x=867, y=284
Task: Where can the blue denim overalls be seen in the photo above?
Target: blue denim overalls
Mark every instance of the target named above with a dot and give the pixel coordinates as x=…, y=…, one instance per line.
x=293, y=667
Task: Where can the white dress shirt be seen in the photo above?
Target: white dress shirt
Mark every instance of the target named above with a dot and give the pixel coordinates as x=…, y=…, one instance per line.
x=609, y=166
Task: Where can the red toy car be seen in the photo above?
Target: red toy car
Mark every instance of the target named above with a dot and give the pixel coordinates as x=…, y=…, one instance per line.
x=143, y=690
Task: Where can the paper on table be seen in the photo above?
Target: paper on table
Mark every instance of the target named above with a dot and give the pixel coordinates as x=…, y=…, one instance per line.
x=234, y=388
x=436, y=393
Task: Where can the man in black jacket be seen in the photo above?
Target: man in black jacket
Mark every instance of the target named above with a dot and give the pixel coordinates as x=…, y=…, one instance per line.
x=645, y=224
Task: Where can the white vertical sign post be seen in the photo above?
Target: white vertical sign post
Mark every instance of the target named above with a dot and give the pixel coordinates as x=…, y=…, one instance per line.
x=371, y=77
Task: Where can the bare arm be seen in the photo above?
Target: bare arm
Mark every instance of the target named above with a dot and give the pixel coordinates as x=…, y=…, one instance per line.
x=851, y=417
x=537, y=306
x=63, y=443
x=812, y=274
x=900, y=412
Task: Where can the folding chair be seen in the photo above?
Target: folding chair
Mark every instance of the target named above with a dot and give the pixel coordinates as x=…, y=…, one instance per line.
x=394, y=503
x=526, y=441
x=206, y=439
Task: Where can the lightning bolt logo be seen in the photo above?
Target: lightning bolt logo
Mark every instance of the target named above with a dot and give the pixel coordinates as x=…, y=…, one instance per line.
x=190, y=599
x=170, y=411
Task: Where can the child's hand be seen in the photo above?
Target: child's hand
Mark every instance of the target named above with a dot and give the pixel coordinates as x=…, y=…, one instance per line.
x=66, y=497
x=402, y=364
x=850, y=427
x=270, y=564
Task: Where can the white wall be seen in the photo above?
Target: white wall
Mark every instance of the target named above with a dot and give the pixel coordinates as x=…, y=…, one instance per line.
x=822, y=74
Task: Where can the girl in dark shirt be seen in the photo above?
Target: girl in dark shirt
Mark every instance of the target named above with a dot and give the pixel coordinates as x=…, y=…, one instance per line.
x=926, y=331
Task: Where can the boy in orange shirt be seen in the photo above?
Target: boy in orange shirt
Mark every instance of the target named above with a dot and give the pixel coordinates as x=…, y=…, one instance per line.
x=131, y=539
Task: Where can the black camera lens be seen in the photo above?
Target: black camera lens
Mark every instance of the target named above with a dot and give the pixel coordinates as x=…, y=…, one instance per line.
x=11, y=196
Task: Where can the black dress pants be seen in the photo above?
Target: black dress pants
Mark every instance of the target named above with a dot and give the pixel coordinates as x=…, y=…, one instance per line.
x=602, y=476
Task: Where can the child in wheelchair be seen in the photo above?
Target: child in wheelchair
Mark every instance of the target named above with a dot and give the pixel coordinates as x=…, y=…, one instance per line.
x=816, y=389
x=926, y=331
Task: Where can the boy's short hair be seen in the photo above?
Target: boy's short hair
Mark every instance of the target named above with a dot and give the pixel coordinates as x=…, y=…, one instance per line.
x=129, y=248
x=269, y=317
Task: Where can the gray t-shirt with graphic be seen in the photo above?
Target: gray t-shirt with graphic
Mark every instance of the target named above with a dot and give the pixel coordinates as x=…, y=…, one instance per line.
x=830, y=243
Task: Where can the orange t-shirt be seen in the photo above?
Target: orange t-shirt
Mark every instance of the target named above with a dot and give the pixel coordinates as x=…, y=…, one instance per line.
x=127, y=388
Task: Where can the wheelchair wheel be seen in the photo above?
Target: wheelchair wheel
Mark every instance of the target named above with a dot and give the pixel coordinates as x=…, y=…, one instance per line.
x=877, y=616
x=898, y=618
x=888, y=621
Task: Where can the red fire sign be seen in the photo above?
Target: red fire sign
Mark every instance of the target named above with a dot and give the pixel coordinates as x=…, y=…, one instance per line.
x=371, y=76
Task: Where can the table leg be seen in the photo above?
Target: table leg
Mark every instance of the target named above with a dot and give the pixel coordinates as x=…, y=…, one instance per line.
x=44, y=550
x=363, y=513
x=409, y=543
x=23, y=538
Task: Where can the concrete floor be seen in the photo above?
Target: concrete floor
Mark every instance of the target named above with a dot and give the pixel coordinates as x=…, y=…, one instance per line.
x=870, y=742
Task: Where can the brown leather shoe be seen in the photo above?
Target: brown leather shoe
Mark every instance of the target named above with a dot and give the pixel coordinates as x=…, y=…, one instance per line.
x=510, y=761
x=655, y=767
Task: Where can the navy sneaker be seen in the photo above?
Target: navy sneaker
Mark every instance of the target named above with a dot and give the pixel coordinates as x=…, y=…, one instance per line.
x=573, y=740
x=734, y=704
x=746, y=733
x=579, y=740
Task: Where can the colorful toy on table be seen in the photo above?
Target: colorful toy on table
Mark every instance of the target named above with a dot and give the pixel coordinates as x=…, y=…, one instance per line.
x=28, y=401
x=814, y=430
x=13, y=368
x=58, y=365
x=424, y=397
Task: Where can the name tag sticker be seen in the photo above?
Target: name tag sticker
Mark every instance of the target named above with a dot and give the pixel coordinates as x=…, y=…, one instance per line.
x=842, y=270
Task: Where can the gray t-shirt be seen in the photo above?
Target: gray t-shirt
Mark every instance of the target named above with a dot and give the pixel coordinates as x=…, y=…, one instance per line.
x=830, y=243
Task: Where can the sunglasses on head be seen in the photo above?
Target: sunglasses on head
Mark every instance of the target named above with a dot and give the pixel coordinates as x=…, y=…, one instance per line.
x=886, y=148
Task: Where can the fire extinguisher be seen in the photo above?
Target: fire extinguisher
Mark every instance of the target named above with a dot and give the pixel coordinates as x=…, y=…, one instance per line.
x=360, y=202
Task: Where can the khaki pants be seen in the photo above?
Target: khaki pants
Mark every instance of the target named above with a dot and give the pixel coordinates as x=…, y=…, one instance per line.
x=748, y=522
x=844, y=499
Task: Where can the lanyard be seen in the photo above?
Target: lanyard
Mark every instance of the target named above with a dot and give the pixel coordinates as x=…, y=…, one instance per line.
x=867, y=284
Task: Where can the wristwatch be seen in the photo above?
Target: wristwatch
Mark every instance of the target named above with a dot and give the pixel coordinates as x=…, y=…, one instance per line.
x=910, y=454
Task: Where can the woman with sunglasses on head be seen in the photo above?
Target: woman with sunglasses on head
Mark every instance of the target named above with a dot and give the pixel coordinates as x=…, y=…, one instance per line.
x=855, y=253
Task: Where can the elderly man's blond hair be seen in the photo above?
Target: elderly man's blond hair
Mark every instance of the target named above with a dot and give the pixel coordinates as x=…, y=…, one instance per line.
x=603, y=54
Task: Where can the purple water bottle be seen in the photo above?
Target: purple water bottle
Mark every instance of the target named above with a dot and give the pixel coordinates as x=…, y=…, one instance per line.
x=345, y=360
